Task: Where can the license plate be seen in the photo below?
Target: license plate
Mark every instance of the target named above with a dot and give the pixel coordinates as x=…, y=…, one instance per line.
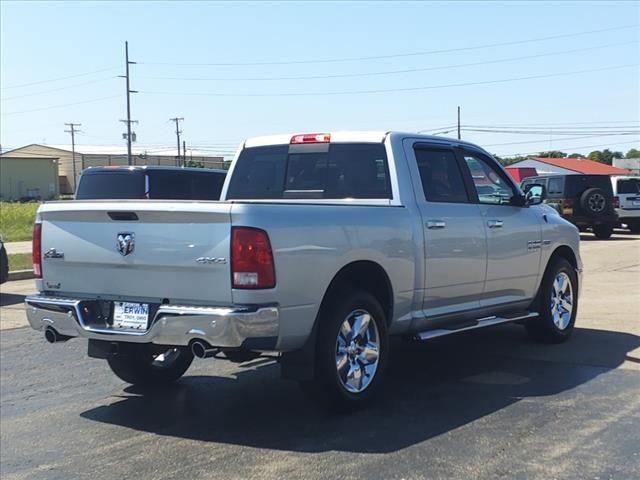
x=132, y=316
x=636, y=203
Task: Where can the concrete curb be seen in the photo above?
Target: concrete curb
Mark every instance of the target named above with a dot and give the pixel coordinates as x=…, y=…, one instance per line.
x=20, y=275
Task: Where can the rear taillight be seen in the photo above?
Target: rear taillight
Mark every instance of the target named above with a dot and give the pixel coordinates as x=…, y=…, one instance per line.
x=251, y=259
x=36, y=250
x=616, y=202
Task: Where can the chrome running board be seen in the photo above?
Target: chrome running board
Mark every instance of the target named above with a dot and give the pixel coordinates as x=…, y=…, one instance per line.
x=481, y=323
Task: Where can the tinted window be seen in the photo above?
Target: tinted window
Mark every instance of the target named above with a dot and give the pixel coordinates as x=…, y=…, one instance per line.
x=162, y=185
x=630, y=185
x=184, y=185
x=111, y=185
x=441, y=177
x=311, y=171
x=491, y=186
x=555, y=185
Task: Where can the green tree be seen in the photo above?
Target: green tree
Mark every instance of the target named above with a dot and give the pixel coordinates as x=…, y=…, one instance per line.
x=633, y=153
x=509, y=161
x=576, y=155
x=604, y=156
x=552, y=154
x=596, y=156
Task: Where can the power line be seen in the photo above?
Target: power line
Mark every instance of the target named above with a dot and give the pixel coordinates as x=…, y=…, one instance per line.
x=555, y=132
x=57, y=89
x=573, y=147
x=546, y=140
x=388, y=72
x=58, y=79
x=398, y=55
x=60, y=105
x=554, y=124
x=390, y=90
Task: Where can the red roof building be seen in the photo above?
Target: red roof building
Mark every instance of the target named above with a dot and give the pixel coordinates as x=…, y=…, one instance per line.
x=554, y=166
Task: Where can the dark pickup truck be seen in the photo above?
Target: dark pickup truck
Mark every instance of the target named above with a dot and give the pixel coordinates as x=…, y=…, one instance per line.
x=152, y=182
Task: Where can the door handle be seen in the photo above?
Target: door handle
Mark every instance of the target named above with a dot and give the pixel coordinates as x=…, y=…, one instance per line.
x=495, y=223
x=436, y=224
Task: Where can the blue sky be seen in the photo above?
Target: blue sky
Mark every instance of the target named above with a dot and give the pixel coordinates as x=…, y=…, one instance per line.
x=44, y=41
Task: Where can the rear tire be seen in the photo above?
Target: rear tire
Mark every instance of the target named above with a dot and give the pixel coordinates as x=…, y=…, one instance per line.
x=603, y=232
x=594, y=201
x=352, y=351
x=151, y=365
x=557, y=304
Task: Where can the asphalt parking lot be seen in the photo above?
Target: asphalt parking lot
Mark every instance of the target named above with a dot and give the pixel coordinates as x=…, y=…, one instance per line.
x=487, y=404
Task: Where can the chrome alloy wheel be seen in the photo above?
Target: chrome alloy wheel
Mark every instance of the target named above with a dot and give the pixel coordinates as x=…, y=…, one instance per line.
x=597, y=202
x=561, y=300
x=357, y=351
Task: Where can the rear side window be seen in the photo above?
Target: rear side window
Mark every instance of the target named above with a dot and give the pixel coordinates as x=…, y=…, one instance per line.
x=111, y=185
x=177, y=185
x=629, y=186
x=349, y=170
x=441, y=176
x=555, y=185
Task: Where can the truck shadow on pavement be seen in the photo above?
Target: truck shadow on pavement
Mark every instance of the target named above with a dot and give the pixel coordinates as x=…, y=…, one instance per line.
x=7, y=299
x=431, y=389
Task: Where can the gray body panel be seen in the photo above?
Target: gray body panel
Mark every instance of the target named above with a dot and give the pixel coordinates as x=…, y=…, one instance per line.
x=461, y=268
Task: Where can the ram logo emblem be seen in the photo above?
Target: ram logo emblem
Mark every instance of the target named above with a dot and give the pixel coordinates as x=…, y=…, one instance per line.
x=126, y=243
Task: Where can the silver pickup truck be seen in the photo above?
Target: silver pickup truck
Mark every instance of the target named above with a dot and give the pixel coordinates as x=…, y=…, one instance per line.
x=321, y=247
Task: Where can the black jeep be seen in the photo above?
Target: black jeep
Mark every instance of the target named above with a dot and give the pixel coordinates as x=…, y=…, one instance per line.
x=587, y=201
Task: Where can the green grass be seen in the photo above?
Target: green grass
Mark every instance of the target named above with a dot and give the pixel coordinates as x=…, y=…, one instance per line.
x=16, y=220
x=20, y=261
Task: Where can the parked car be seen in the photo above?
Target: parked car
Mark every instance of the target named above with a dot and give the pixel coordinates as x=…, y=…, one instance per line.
x=322, y=247
x=152, y=182
x=4, y=262
x=627, y=189
x=587, y=201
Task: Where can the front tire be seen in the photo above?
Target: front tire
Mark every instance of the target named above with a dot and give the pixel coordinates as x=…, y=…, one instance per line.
x=603, y=232
x=352, y=352
x=557, y=304
x=151, y=365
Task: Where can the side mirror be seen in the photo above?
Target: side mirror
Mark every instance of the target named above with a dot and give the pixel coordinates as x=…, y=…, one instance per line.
x=535, y=193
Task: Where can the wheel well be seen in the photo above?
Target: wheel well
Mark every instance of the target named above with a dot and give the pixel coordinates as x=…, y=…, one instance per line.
x=566, y=253
x=365, y=275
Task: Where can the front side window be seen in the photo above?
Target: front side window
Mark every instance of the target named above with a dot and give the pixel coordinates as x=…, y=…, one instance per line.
x=491, y=187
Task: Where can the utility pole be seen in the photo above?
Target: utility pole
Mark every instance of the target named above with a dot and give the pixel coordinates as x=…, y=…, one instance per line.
x=184, y=152
x=128, y=121
x=459, y=136
x=72, y=130
x=178, y=132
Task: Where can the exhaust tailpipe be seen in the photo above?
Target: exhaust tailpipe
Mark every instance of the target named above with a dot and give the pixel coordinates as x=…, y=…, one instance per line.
x=201, y=349
x=52, y=336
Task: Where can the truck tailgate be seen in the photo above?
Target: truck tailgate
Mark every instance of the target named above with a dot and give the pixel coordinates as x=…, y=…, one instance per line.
x=180, y=250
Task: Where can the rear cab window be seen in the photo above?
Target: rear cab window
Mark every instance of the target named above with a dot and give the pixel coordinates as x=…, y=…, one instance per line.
x=319, y=170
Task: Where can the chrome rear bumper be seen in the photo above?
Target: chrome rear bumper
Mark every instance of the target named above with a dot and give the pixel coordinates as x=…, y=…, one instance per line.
x=252, y=327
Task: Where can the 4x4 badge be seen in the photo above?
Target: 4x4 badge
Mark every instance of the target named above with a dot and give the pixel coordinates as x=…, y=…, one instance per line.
x=126, y=243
